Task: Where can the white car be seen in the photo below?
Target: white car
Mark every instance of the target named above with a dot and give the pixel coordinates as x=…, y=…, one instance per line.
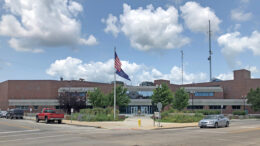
x=3, y=114
x=214, y=121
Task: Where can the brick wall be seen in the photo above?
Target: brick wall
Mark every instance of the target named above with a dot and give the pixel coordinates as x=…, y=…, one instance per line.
x=4, y=95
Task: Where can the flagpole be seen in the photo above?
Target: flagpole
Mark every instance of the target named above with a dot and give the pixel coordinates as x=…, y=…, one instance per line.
x=114, y=86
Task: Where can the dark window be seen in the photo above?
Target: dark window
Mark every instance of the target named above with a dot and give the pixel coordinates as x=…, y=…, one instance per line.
x=57, y=107
x=204, y=94
x=139, y=94
x=235, y=107
x=35, y=107
x=195, y=107
x=22, y=107
x=215, y=107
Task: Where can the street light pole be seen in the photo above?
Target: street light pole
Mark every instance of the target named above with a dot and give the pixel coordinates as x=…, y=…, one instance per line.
x=244, y=98
x=192, y=92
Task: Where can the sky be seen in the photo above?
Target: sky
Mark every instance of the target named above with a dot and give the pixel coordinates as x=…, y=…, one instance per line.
x=46, y=39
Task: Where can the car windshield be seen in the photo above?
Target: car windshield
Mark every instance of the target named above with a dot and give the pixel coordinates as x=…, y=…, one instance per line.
x=211, y=117
x=49, y=111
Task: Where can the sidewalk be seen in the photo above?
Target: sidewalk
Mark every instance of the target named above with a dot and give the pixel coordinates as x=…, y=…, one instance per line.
x=132, y=123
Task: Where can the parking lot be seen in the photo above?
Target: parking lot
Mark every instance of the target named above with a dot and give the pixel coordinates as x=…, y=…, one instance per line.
x=26, y=132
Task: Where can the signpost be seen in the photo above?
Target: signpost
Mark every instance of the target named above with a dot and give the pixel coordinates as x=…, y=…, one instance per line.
x=159, y=106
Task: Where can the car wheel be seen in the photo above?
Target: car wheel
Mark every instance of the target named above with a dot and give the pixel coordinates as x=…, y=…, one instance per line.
x=37, y=119
x=216, y=125
x=59, y=121
x=227, y=124
x=46, y=120
x=201, y=126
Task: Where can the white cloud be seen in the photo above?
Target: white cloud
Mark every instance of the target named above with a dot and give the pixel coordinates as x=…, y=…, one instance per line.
x=149, y=28
x=240, y=15
x=90, y=41
x=245, y=1
x=73, y=68
x=225, y=76
x=33, y=25
x=111, y=23
x=253, y=69
x=233, y=44
x=197, y=17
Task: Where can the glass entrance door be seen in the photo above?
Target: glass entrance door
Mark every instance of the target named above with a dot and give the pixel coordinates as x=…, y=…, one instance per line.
x=144, y=110
x=134, y=110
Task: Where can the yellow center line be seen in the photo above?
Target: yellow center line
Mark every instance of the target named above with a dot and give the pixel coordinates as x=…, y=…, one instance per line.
x=245, y=130
x=18, y=126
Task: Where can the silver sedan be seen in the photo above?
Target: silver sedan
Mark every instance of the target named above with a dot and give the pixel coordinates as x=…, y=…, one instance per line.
x=214, y=121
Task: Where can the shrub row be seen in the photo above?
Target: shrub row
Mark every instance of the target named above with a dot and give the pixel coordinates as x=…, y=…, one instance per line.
x=96, y=114
x=181, y=118
x=208, y=112
x=239, y=113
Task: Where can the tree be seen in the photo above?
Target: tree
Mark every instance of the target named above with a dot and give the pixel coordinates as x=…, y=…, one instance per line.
x=121, y=97
x=75, y=100
x=181, y=99
x=162, y=94
x=254, y=99
x=97, y=98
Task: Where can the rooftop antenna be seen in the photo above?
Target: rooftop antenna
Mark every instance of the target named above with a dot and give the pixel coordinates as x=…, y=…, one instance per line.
x=210, y=53
x=182, y=67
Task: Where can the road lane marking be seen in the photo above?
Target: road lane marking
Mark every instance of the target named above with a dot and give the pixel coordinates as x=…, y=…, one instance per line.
x=7, y=132
x=17, y=126
x=20, y=133
x=35, y=138
x=245, y=130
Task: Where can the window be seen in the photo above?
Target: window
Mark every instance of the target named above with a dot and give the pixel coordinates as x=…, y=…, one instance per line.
x=57, y=107
x=215, y=107
x=235, y=107
x=49, y=111
x=22, y=107
x=204, y=94
x=139, y=94
x=195, y=107
x=35, y=107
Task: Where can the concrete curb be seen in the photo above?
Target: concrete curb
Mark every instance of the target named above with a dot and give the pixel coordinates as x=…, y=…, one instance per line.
x=83, y=125
x=162, y=128
x=123, y=128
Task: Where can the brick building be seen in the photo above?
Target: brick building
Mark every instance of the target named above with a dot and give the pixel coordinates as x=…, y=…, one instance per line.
x=226, y=95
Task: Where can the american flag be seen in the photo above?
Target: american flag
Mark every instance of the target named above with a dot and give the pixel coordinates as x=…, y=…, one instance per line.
x=118, y=68
x=117, y=63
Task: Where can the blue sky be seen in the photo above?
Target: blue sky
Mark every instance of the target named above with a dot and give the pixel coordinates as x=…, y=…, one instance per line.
x=75, y=39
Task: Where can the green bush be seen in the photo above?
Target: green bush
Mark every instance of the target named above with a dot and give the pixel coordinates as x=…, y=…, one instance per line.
x=208, y=112
x=96, y=114
x=239, y=113
x=181, y=118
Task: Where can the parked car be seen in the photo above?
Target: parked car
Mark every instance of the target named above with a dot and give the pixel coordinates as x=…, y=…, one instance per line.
x=214, y=121
x=3, y=114
x=48, y=115
x=15, y=114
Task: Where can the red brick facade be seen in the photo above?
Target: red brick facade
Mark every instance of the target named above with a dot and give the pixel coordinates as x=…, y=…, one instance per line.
x=48, y=89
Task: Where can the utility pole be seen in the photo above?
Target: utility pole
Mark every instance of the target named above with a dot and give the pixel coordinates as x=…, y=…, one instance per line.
x=210, y=53
x=182, y=67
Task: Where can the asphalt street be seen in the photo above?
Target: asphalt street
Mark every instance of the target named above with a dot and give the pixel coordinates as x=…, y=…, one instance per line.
x=30, y=133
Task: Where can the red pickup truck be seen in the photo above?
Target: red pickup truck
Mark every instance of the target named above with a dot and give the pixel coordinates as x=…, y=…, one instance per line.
x=49, y=114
